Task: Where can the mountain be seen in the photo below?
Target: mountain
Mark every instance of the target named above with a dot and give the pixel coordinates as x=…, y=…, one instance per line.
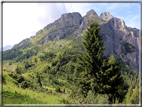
x=47, y=60
x=7, y=47
x=120, y=40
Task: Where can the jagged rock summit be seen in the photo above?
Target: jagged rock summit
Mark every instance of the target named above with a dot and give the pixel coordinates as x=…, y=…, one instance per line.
x=106, y=16
x=66, y=20
x=91, y=12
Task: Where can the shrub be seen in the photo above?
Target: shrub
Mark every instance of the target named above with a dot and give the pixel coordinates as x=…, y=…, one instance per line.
x=63, y=101
x=50, y=91
x=57, y=89
x=24, y=84
x=3, y=79
x=90, y=99
x=93, y=98
x=20, y=78
x=63, y=90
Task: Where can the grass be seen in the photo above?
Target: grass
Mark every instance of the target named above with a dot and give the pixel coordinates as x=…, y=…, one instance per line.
x=13, y=94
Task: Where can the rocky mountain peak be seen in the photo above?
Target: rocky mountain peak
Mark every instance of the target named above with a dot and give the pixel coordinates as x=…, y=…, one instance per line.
x=117, y=24
x=66, y=20
x=71, y=19
x=106, y=16
x=91, y=12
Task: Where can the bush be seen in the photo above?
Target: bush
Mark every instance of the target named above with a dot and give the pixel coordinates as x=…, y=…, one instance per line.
x=3, y=79
x=24, y=84
x=20, y=79
x=63, y=90
x=90, y=99
x=93, y=98
x=50, y=91
x=63, y=101
x=57, y=89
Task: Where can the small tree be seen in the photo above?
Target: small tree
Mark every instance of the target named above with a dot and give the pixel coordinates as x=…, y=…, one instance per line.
x=128, y=96
x=113, y=83
x=35, y=59
x=39, y=81
x=64, y=90
x=135, y=96
x=58, y=89
x=18, y=70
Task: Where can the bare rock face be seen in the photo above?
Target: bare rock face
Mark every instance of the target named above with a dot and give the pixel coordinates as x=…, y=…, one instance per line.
x=66, y=20
x=39, y=32
x=71, y=19
x=86, y=20
x=121, y=41
x=60, y=34
x=23, y=42
x=91, y=13
x=106, y=16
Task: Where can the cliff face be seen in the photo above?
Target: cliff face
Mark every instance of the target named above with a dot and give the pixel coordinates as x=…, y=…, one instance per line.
x=120, y=40
x=106, y=16
x=66, y=20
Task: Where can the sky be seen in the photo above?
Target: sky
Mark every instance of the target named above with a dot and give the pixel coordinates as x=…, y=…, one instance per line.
x=23, y=20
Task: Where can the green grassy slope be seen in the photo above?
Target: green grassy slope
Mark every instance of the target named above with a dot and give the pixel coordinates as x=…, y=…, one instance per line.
x=16, y=95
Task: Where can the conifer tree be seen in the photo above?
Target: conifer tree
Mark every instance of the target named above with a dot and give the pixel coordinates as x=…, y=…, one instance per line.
x=97, y=73
x=90, y=62
x=135, y=96
x=113, y=82
x=128, y=96
x=18, y=70
x=39, y=81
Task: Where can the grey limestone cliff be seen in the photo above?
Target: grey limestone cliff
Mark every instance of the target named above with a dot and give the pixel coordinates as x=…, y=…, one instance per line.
x=121, y=41
x=106, y=16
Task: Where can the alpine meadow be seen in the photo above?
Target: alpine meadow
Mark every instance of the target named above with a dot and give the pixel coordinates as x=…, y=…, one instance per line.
x=74, y=60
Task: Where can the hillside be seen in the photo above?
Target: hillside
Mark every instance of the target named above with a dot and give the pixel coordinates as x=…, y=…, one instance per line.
x=52, y=54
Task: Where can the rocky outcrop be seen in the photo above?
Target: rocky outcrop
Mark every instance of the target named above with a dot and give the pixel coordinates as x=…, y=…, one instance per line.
x=86, y=20
x=121, y=41
x=60, y=34
x=106, y=16
x=39, y=32
x=66, y=20
x=23, y=42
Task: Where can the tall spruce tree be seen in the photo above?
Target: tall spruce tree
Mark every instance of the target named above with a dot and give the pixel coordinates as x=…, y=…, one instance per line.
x=90, y=62
x=97, y=73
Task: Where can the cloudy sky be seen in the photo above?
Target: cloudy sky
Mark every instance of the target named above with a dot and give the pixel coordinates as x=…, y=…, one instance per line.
x=23, y=20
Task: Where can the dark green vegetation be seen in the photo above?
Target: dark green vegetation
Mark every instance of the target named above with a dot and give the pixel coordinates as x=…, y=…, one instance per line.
x=47, y=73
x=129, y=48
x=97, y=73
